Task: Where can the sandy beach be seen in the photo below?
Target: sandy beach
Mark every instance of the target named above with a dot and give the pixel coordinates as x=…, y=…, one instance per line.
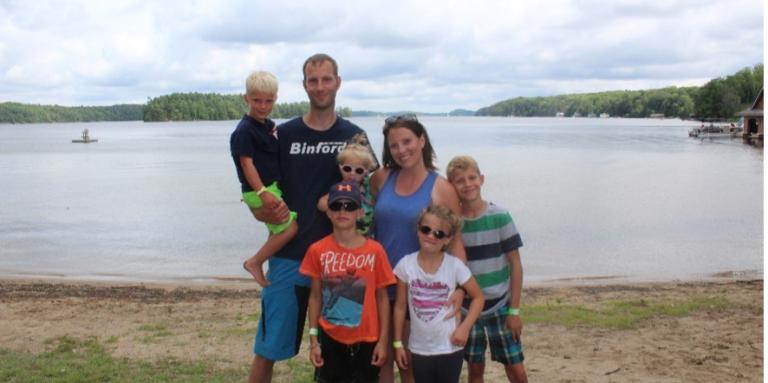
x=215, y=324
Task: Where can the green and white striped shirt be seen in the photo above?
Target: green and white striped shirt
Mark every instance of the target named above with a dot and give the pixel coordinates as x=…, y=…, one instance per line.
x=487, y=240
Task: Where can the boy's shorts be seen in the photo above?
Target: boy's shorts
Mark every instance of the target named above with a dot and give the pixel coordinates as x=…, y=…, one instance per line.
x=254, y=202
x=503, y=349
x=283, y=311
x=346, y=362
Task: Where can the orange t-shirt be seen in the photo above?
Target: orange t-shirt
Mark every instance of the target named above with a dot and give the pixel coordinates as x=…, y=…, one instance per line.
x=349, y=279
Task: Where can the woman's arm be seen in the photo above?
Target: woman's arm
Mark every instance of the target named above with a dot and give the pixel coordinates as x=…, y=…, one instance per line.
x=377, y=180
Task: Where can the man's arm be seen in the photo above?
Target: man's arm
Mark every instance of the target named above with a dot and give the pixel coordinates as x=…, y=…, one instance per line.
x=273, y=210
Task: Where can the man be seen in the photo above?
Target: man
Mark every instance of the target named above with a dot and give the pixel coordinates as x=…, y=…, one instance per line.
x=308, y=147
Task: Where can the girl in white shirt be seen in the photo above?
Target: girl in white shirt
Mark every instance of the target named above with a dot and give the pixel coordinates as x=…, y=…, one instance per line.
x=426, y=279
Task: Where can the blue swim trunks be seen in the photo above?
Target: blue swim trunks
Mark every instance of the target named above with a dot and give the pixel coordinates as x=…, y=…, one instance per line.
x=283, y=311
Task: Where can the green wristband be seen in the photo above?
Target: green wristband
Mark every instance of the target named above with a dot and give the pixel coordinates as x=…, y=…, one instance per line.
x=313, y=331
x=513, y=311
x=397, y=344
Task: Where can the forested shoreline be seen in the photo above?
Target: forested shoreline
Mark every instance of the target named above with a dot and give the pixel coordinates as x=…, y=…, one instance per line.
x=718, y=98
x=722, y=97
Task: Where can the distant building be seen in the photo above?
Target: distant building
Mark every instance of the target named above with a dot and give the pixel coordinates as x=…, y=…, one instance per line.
x=753, y=121
x=657, y=115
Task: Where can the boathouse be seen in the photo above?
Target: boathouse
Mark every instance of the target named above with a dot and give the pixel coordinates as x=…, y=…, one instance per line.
x=753, y=121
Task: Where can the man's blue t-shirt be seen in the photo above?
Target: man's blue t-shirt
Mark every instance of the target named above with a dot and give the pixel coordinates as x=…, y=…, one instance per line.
x=308, y=169
x=254, y=139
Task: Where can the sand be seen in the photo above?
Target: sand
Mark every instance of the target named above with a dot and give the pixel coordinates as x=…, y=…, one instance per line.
x=216, y=323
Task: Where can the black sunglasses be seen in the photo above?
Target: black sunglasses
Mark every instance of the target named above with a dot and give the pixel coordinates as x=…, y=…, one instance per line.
x=438, y=234
x=343, y=205
x=350, y=169
x=401, y=117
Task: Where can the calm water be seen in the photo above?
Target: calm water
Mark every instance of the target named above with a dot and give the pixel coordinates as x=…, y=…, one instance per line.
x=591, y=197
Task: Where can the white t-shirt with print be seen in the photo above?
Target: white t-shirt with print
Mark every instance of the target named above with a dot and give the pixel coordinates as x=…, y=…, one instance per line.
x=427, y=298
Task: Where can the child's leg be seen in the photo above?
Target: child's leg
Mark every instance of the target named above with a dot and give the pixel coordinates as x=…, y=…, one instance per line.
x=516, y=373
x=474, y=351
x=475, y=372
x=504, y=349
x=274, y=242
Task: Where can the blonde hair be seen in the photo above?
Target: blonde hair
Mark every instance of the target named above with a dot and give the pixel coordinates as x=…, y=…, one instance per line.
x=445, y=215
x=261, y=82
x=461, y=163
x=358, y=153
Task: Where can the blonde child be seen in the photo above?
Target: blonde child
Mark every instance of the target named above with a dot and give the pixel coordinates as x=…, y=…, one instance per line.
x=491, y=241
x=355, y=163
x=348, y=299
x=426, y=279
x=254, y=149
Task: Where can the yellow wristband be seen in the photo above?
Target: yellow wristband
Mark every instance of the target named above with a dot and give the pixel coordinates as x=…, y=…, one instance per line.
x=513, y=312
x=397, y=344
x=262, y=190
x=313, y=331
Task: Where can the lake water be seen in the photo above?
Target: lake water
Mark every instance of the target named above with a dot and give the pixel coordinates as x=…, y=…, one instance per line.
x=628, y=198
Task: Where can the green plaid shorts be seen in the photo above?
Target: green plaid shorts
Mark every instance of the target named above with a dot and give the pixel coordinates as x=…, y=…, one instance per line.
x=490, y=328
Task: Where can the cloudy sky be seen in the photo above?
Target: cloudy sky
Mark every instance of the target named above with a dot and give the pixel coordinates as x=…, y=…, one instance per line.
x=431, y=56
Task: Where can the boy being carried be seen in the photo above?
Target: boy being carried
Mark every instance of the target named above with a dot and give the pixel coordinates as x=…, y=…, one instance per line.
x=491, y=241
x=254, y=149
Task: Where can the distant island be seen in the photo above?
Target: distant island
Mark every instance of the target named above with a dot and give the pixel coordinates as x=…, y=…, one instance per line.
x=718, y=98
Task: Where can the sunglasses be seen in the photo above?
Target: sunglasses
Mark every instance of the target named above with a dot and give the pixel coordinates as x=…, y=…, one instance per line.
x=438, y=234
x=402, y=117
x=343, y=205
x=350, y=169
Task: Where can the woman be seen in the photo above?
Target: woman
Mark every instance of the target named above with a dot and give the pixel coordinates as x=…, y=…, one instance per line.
x=403, y=187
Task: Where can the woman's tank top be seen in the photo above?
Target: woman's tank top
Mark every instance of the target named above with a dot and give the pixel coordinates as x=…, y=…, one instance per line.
x=395, y=216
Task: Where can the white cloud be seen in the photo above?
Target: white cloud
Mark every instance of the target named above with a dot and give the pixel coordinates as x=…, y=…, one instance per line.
x=393, y=55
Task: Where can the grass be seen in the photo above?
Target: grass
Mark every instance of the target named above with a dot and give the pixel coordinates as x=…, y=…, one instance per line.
x=620, y=314
x=87, y=361
x=69, y=360
x=154, y=331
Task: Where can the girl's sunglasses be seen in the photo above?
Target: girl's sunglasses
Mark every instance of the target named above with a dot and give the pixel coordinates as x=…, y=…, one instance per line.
x=438, y=234
x=343, y=205
x=350, y=169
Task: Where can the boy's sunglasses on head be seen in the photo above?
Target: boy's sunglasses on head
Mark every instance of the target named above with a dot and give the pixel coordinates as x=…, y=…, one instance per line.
x=343, y=205
x=438, y=234
x=350, y=169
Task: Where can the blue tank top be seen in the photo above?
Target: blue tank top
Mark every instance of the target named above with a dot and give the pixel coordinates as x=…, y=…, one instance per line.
x=395, y=216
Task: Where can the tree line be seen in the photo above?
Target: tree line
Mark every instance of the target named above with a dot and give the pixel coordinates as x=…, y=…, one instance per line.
x=17, y=113
x=718, y=98
x=214, y=106
x=722, y=97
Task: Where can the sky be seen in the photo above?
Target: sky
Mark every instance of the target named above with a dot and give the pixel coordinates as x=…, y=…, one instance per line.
x=427, y=56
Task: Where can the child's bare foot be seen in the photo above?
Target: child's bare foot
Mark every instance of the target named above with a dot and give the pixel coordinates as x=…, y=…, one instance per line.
x=254, y=267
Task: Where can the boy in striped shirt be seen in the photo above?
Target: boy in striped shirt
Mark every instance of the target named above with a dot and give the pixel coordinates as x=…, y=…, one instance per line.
x=492, y=242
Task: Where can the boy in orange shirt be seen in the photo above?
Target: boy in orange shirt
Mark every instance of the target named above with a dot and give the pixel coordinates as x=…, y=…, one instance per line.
x=348, y=297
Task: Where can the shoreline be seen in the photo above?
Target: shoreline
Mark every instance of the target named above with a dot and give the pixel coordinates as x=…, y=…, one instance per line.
x=720, y=340
x=248, y=283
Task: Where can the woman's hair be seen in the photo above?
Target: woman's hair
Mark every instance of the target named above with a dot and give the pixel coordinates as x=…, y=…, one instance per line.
x=445, y=215
x=358, y=153
x=410, y=122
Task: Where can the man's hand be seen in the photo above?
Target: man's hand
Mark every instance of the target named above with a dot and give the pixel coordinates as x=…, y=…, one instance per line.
x=274, y=215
